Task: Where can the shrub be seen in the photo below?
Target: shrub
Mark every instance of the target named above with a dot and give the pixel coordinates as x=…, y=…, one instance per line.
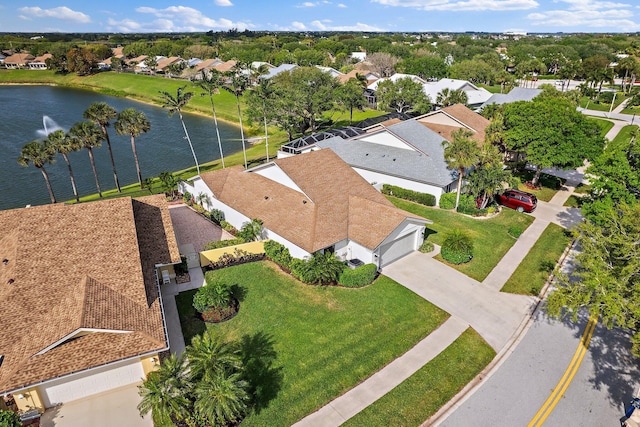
x=320, y=269
x=278, y=253
x=228, y=227
x=187, y=197
x=216, y=216
x=515, y=230
x=223, y=243
x=448, y=201
x=426, y=247
x=251, y=231
x=214, y=294
x=457, y=247
x=358, y=277
x=414, y=196
x=183, y=267
x=9, y=419
x=236, y=258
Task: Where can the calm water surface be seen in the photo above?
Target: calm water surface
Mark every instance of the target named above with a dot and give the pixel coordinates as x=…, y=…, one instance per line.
x=163, y=148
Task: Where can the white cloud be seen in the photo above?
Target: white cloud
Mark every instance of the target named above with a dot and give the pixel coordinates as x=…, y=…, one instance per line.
x=298, y=25
x=342, y=5
x=587, y=14
x=307, y=4
x=223, y=3
x=61, y=12
x=174, y=19
x=320, y=26
x=460, y=5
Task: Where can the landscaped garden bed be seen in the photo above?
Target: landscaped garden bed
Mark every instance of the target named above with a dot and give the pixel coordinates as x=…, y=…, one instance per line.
x=490, y=237
x=326, y=339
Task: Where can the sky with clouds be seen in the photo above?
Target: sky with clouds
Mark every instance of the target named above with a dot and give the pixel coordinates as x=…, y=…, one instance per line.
x=533, y=16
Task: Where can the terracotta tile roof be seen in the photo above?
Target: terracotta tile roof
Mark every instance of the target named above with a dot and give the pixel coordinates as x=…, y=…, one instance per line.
x=225, y=66
x=165, y=62
x=206, y=64
x=43, y=58
x=19, y=58
x=80, y=266
x=334, y=202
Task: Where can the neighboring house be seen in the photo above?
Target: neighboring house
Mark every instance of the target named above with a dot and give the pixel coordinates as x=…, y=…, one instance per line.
x=515, y=94
x=359, y=56
x=207, y=64
x=331, y=71
x=407, y=154
x=311, y=203
x=449, y=119
x=2, y=58
x=18, y=60
x=223, y=67
x=39, y=63
x=277, y=70
x=80, y=303
x=192, y=62
x=476, y=95
x=164, y=63
x=374, y=86
x=369, y=76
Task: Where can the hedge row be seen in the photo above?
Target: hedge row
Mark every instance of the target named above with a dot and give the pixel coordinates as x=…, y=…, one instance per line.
x=223, y=243
x=358, y=277
x=413, y=196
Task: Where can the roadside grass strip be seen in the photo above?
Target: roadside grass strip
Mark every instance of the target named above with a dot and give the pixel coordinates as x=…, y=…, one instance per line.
x=422, y=394
x=557, y=393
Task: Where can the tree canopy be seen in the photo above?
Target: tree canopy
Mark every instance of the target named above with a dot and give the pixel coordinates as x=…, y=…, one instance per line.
x=403, y=96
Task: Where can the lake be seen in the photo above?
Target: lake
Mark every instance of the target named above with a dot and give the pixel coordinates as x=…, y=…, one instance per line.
x=163, y=148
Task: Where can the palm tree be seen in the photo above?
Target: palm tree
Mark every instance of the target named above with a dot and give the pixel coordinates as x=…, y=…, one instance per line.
x=174, y=104
x=451, y=97
x=211, y=83
x=259, y=107
x=209, y=357
x=237, y=84
x=102, y=113
x=221, y=399
x=461, y=154
x=40, y=154
x=164, y=392
x=64, y=145
x=133, y=123
x=88, y=135
x=490, y=176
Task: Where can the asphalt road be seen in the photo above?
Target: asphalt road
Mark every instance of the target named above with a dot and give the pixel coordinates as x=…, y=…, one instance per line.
x=603, y=384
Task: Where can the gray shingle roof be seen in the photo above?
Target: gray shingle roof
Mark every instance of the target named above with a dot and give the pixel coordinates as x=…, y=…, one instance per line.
x=516, y=94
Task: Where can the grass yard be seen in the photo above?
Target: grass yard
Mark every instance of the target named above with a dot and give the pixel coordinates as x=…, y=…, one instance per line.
x=490, y=238
x=323, y=340
x=533, y=271
x=549, y=184
x=625, y=134
x=574, y=201
x=422, y=394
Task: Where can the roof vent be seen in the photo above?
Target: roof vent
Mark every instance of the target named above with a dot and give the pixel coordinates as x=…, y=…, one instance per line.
x=266, y=197
x=394, y=160
x=304, y=202
x=10, y=281
x=5, y=261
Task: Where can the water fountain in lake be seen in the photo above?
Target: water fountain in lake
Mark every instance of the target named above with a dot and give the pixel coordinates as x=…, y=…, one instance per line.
x=49, y=126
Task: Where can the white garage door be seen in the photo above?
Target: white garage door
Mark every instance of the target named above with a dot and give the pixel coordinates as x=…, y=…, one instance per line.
x=95, y=381
x=396, y=249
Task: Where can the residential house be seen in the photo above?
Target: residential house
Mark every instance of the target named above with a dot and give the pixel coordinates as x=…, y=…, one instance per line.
x=165, y=63
x=515, y=94
x=312, y=203
x=358, y=56
x=331, y=71
x=39, y=63
x=454, y=117
x=80, y=303
x=476, y=95
x=374, y=86
x=277, y=70
x=369, y=76
x=18, y=60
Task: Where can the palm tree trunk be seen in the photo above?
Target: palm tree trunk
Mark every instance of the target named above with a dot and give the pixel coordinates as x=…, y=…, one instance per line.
x=46, y=179
x=244, y=149
x=461, y=173
x=95, y=171
x=113, y=163
x=135, y=158
x=73, y=180
x=215, y=122
x=266, y=132
x=536, y=176
x=189, y=141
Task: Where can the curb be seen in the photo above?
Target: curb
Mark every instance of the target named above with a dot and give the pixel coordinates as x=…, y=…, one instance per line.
x=443, y=413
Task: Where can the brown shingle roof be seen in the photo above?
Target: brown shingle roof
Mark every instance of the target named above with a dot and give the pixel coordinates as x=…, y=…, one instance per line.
x=19, y=58
x=80, y=266
x=468, y=117
x=460, y=117
x=335, y=203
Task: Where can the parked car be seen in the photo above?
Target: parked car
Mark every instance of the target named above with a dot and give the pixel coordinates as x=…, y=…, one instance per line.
x=518, y=200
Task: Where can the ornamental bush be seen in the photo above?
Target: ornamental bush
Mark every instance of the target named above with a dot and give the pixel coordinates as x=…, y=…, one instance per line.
x=278, y=253
x=216, y=216
x=358, y=277
x=426, y=247
x=414, y=196
x=448, y=201
x=223, y=243
x=214, y=294
x=457, y=247
x=9, y=419
x=320, y=269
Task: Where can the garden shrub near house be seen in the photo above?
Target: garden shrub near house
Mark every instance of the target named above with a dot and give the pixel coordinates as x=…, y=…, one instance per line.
x=413, y=196
x=320, y=269
x=278, y=253
x=448, y=201
x=467, y=206
x=9, y=419
x=457, y=247
x=228, y=227
x=214, y=301
x=426, y=247
x=358, y=277
x=217, y=244
x=216, y=216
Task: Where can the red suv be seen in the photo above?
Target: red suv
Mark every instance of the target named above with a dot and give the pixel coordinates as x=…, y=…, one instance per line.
x=518, y=200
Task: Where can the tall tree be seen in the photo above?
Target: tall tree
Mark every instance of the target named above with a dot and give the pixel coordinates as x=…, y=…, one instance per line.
x=175, y=104
x=237, y=84
x=64, y=145
x=102, y=113
x=133, y=123
x=461, y=154
x=88, y=135
x=222, y=399
x=350, y=95
x=260, y=107
x=211, y=82
x=607, y=275
x=403, y=96
x=489, y=176
x=39, y=154
x=448, y=97
x=551, y=133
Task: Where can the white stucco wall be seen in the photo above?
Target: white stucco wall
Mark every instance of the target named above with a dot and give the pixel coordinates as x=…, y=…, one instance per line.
x=406, y=227
x=379, y=179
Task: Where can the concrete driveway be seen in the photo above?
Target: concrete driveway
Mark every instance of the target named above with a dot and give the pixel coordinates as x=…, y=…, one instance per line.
x=113, y=408
x=494, y=315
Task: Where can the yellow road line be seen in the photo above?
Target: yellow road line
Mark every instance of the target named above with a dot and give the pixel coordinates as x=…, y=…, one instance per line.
x=566, y=379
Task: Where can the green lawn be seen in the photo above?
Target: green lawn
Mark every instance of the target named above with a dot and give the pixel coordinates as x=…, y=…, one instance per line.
x=549, y=184
x=533, y=271
x=490, y=238
x=625, y=134
x=605, y=125
x=574, y=201
x=322, y=340
x=422, y=394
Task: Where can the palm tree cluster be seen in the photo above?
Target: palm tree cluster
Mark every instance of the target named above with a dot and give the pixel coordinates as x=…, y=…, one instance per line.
x=203, y=386
x=88, y=134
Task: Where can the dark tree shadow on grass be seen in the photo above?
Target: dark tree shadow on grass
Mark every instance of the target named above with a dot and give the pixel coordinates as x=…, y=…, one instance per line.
x=265, y=379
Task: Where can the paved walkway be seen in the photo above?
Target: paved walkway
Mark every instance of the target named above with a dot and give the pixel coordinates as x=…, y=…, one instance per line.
x=496, y=316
